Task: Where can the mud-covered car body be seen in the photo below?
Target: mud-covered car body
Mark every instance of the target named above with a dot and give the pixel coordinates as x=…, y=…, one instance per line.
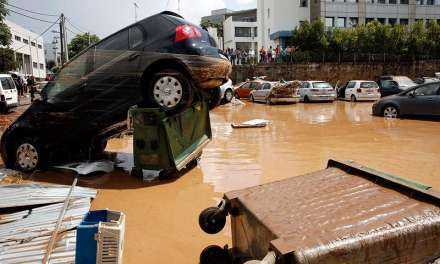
x=276, y=92
x=90, y=96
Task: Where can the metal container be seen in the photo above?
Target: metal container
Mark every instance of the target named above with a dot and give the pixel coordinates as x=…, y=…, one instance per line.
x=169, y=143
x=346, y=213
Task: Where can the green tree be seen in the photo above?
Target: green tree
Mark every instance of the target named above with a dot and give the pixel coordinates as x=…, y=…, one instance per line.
x=433, y=38
x=416, y=39
x=81, y=42
x=7, y=58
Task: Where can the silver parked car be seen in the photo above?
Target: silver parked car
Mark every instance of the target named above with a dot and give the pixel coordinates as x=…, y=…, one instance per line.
x=275, y=92
x=227, y=92
x=317, y=91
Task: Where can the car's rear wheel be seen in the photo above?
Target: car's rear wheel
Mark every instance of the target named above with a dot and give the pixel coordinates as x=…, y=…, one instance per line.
x=28, y=155
x=171, y=90
x=391, y=111
x=228, y=96
x=353, y=98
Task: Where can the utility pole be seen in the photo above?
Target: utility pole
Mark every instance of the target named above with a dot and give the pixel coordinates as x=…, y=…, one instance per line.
x=62, y=39
x=178, y=6
x=135, y=11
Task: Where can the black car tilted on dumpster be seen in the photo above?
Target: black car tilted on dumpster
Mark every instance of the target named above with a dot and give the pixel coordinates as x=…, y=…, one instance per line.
x=162, y=61
x=422, y=100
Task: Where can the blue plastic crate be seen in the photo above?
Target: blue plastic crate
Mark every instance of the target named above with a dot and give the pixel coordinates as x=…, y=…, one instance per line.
x=100, y=238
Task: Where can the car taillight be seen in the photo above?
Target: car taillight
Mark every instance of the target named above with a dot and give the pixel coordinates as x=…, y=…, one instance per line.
x=184, y=32
x=359, y=90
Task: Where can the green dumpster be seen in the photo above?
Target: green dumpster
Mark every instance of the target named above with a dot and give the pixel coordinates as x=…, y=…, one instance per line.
x=169, y=143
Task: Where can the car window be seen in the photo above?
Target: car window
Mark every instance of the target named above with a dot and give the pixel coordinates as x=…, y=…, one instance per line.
x=111, y=48
x=254, y=85
x=427, y=90
x=12, y=83
x=136, y=36
x=351, y=85
x=368, y=85
x=322, y=85
x=266, y=86
x=6, y=85
x=246, y=85
x=388, y=84
x=305, y=85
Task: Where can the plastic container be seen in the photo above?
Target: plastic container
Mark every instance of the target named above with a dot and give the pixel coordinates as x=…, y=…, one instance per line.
x=100, y=238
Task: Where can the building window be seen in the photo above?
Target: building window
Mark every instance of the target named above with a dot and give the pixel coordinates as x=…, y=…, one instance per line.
x=35, y=65
x=268, y=32
x=430, y=2
x=353, y=21
x=39, y=46
x=392, y=21
x=381, y=1
x=404, y=21
x=303, y=3
x=25, y=41
x=419, y=2
x=33, y=44
x=17, y=38
x=268, y=13
x=393, y=2
x=243, y=32
x=340, y=22
x=329, y=21
x=42, y=66
x=382, y=20
x=404, y=2
x=255, y=31
x=368, y=20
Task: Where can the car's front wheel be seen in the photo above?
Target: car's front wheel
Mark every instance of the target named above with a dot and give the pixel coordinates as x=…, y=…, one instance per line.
x=28, y=155
x=353, y=98
x=170, y=90
x=391, y=111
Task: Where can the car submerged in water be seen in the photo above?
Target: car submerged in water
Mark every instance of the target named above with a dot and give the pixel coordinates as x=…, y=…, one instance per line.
x=162, y=61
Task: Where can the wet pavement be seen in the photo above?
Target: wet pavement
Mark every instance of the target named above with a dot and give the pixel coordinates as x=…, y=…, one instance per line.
x=162, y=218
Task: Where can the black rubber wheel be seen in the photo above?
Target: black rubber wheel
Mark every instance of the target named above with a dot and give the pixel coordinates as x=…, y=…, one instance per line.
x=353, y=98
x=28, y=155
x=237, y=96
x=211, y=220
x=306, y=99
x=97, y=149
x=215, y=255
x=170, y=90
x=214, y=98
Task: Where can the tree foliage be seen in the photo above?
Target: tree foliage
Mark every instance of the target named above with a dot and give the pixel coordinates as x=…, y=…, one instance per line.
x=81, y=42
x=7, y=58
x=413, y=41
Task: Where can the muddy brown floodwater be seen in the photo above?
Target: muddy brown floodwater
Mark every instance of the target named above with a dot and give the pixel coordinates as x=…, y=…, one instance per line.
x=162, y=218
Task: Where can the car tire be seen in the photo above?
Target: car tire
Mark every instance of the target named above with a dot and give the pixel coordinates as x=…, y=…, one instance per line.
x=306, y=99
x=353, y=98
x=28, y=155
x=98, y=148
x=213, y=97
x=229, y=94
x=390, y=111
x=252, y=99
x=170, y=90
x=237, y=96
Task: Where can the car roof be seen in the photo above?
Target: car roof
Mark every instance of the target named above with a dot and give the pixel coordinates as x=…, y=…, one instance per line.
x=5, y=75
x=315, y=81
x=361, y=81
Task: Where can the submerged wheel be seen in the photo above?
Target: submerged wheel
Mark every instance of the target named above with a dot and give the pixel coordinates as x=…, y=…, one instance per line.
x=215, y=255
x=391, y=111
x=211, y=220
x=170, y=90
x=306, y=99
x=27, y=156
x=353, y=98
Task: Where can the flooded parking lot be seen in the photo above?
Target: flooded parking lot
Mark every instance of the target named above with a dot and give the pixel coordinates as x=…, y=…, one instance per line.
x=162, y=218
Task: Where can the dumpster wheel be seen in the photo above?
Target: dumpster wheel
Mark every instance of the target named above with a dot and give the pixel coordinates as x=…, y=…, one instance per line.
x=215, y=255
x=212, y=220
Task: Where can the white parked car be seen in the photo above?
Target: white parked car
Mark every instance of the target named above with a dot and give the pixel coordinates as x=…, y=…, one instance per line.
x=274, y=93
x=227, y=92
x=8, y=93
x=317, y=91
x=362, y=91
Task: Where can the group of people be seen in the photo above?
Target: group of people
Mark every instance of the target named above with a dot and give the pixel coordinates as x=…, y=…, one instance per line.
x=25, y=86
x=270, y=55
x=277, y=55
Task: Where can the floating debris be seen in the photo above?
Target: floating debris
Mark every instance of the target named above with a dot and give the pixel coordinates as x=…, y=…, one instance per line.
x=255, y=123
x=10, y=176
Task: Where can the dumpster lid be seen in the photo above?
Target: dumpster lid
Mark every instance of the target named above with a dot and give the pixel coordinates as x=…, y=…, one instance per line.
x=346, y=204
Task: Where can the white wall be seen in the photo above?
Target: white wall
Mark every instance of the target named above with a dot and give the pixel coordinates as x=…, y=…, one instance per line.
x=229, y=33
x=36, y=54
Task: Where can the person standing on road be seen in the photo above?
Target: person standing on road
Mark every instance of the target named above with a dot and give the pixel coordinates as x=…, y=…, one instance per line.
x=32, y=87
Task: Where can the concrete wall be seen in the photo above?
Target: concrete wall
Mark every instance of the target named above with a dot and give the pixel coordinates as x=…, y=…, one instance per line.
x=334, y=72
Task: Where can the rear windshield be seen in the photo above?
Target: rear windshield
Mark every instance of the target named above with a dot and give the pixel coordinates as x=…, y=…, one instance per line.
x=369, y=85
x=7, y=83
x=404, y=81
x=322, y=85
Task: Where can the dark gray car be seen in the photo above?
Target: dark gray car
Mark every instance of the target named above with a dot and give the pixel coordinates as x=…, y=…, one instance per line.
x=422, y=100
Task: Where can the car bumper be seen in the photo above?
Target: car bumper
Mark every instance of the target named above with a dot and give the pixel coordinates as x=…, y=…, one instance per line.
x=372, y=97
x=322, y=97
x=291, y=100
x=209, y=72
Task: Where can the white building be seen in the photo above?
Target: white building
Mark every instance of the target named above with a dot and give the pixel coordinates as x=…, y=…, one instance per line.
x=277, y=18
x=29, y=51
x=239, y=28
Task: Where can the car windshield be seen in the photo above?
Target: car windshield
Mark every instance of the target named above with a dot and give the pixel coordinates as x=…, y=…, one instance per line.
x=404, y=82
x=369, y=85
x=322, y=85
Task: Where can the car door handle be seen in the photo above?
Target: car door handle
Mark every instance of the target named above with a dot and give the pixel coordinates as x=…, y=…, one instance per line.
x=133, y=57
